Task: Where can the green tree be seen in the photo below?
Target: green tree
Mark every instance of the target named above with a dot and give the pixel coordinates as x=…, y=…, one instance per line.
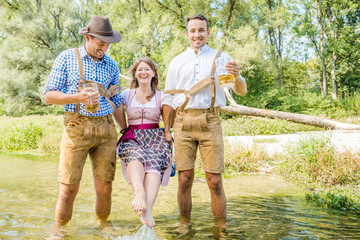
x=332, y=28
x=273, y=41
x=34, y=33
x=156, y=29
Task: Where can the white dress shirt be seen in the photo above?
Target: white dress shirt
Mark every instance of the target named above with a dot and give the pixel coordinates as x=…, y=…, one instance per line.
x=185, y=70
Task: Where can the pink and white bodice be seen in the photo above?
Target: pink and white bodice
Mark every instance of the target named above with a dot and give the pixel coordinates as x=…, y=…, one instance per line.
x=142, y=113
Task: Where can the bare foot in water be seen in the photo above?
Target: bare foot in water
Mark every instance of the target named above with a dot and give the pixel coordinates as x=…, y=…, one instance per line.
x=147, y=218
x=221, y=222
x=183, y=227
x=139, y=202
x=57, y=232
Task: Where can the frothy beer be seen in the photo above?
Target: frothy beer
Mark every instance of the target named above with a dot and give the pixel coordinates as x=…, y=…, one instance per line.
x=92, y=108
x=226, y=80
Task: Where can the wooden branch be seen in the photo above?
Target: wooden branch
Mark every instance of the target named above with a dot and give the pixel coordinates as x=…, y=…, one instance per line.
x=230, y=12
x=42, y=41
x=9, y=3
x=168, y=8
x=229, y=97
x=236, y=109
x=180, y=9
x=180, y=16
x=293, y=117
x=38, y=4
x=124, y=77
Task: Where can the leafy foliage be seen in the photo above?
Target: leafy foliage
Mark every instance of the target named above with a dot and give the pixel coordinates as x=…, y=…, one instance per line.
x=276, y=44
x=335, y=201
x=35, y=32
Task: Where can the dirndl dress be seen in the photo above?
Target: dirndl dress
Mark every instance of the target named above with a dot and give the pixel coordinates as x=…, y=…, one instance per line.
x=145, y=142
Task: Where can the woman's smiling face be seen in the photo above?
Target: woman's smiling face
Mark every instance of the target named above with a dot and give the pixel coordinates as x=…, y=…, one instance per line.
x=144, y=74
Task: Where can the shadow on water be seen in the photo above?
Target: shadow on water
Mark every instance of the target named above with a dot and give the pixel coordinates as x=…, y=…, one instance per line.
x=259, y=207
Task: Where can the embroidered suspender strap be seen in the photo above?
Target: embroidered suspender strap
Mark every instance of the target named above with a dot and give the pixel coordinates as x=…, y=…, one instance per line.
x=106, y=93
x=198, y=86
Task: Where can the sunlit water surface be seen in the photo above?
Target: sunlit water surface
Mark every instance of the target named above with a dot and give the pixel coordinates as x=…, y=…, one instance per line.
x=259, y=207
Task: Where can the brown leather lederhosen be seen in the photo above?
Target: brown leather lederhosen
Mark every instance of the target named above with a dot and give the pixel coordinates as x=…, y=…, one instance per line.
x=83, y=136
x=198, y=129
x=196, y=88
x=107, y=93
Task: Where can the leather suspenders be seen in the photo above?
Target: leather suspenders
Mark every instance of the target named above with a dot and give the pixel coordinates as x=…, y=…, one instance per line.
x=198, y=86
x=107, y=93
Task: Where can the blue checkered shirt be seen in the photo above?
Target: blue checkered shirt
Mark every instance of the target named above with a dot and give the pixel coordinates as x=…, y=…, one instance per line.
x=65, y=74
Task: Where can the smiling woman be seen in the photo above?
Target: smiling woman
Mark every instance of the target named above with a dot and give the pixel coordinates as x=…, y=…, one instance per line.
x=144, y=152
x=144, y=72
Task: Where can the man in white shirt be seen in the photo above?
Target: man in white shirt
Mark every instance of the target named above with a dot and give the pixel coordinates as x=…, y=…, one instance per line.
x=192, y=89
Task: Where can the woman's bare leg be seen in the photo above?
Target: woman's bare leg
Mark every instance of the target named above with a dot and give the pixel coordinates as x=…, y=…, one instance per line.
x=136, y=174
x=151, y=185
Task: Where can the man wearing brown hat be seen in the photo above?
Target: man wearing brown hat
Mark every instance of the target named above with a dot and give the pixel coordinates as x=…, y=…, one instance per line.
x=85, y=81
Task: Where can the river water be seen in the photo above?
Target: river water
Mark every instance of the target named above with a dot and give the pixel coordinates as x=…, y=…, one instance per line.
x=259, y=207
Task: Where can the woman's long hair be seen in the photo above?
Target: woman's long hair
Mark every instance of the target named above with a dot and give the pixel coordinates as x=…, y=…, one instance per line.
x=154, y=81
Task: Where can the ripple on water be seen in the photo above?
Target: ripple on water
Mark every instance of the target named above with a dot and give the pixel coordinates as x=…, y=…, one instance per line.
x=257, y=207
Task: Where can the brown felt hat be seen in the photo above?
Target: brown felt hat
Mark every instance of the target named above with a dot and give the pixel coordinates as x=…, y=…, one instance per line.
x=100, y=27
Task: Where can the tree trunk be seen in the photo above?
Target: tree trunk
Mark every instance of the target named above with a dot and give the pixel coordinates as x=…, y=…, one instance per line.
x=281, y=71
x=320, y=17
x=273, y=51
x=276, y=41
x=280, y=48
x=139, y=2
x=293, y=117
x=334, y=54
x=333, y=76
x=229, y=15
x=324, y=76
x=236, y=109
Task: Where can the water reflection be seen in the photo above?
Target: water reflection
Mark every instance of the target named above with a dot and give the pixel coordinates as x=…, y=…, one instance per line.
x=258, y=207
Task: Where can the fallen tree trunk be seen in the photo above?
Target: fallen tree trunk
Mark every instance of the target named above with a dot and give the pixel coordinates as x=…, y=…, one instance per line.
x=236, y=109
x=293, y=117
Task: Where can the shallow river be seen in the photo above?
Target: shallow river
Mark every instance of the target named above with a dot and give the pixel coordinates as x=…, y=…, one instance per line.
x=259, y=207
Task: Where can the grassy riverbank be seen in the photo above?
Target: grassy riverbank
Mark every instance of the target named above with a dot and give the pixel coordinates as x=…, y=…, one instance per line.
x=331, y=177
x=31, y=133
x=43, y=133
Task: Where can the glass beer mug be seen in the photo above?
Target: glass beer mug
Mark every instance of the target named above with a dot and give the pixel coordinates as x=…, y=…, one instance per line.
x=225, y=79
x=91, y=107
